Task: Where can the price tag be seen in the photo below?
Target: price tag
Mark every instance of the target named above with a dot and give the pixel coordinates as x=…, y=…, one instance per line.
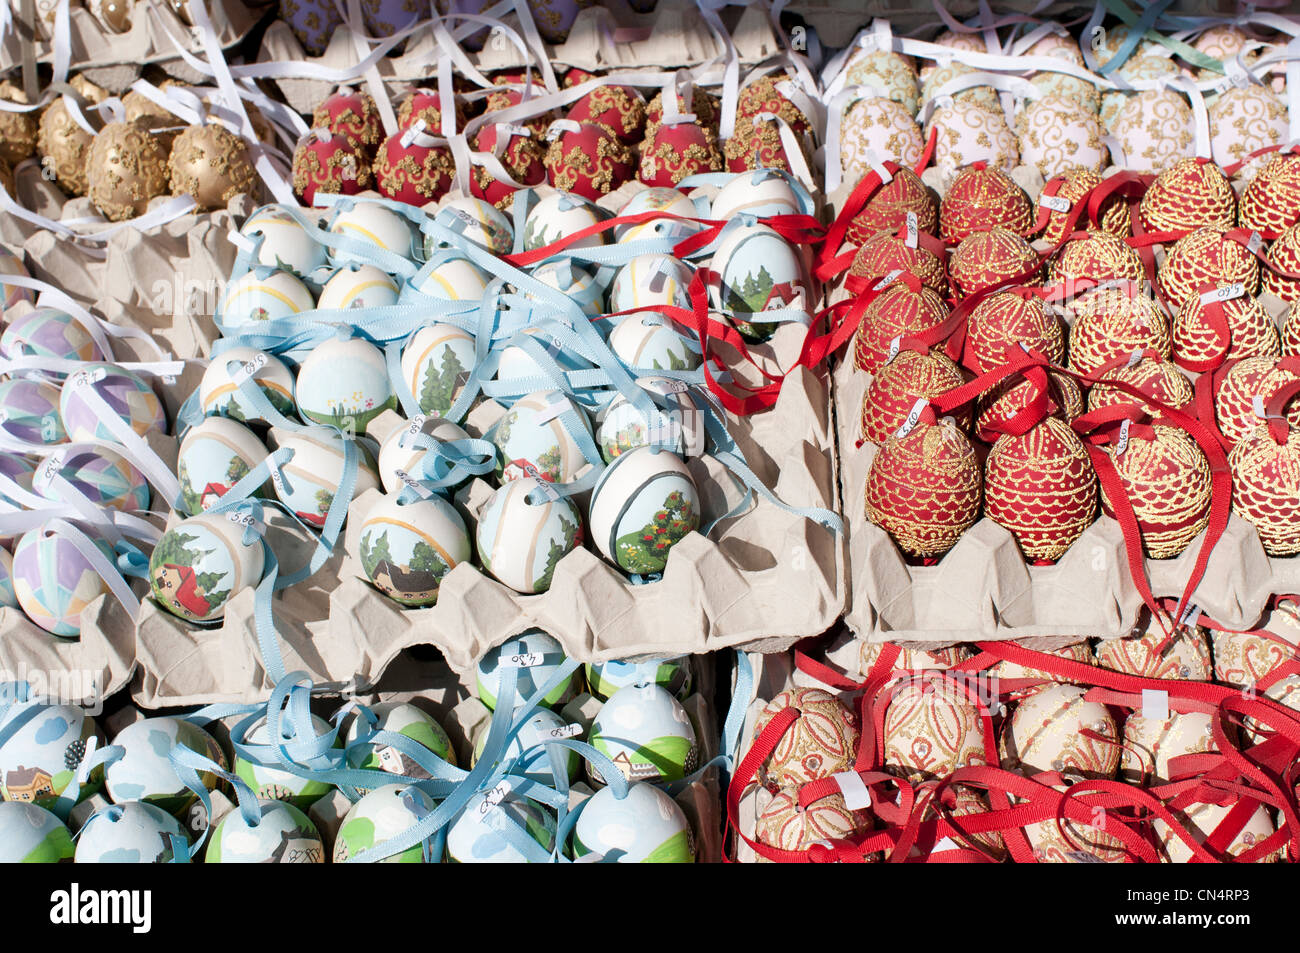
x=878, y=166
x=565, y=731
x=888, y=280
x=414, y=130
x=912, y=418
x=1122, y=444
x=1155, y=704
x=523, y=660
x=1255, y=243
x=1135, y=358
x=241, y=518
x=416, y=426
x=913, y=231
x=854, y=790
x=248, y=369
x=674, y=386
x=1191, y=615
x=277, y=480
x=1056, y=203
x=894, y=345
x=390, y=760
x=420, y=489
x=84, y=378
x=49, y=469
x=1224, y=293
x=494, y=797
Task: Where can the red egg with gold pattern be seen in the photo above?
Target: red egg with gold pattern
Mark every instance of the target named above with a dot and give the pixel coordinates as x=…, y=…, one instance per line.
x=588, y=161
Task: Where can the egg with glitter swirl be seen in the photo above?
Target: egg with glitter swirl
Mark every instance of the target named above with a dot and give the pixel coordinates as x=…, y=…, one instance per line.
x=125, y=170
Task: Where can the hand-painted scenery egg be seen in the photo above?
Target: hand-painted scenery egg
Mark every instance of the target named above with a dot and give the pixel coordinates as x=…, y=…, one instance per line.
x=132, y=833
x=533, y=441
x=575, y=283
x=523, y=534
x=264, y=297
x=54, y=582
x=103, y=476
x=344, y=383
x=645, y=827
x=48, y=332
x=200, y=563
x=527, y=754
x=44, y=753
x=644, y=503
x=309, y=481
x=526, y=647
x=401, y=451
x=374, y=224
x=407, y=548
x=145, y=772
x=29, y=412
x=283, y=242
x=671, y=674
x=268, y=778
x=760, y=272
x=476, y=836
x=759, y=192
x=285, y=835
x=357, y=287
x=219, y=391
x=476, y=221
x=658, y=200
x=380, y=816
x=559, y=215
x=213, y=457
x=623, y=427
x=649, y=280
x=11, y=294
x=32, y=835
x=454, y=279
x=436, y=364
x=647, y=341
x=403, y=719
x=646, y=733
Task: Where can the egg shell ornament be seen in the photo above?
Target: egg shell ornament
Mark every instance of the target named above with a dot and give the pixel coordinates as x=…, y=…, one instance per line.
x=785, y=824
x=452, y=279
x=270, y=780
x=425, y=105
x=522, y=535
x=8, y=599
x=887, y=72
x=999, y=406
x=270, y=297
x=211, y=165
x=436, y=365
x=502, y=99
x=822, y=741
x=622, y=426
x=145, y=772
x=125, y=168
x=1114, y=322
x=1242, y=659
x=285, y=835
x=135, y=832
x=980, y=199
x=670, y=153
x=1206, y=256
x=1291, y=332
x=989, y=259
x=931, y=729
x=200, y=563
x=1283, y=254
x=411, y=172
x=898, y=311
x=647, y=734
x=42, y=757
x=380, y=816
x=1150, y=744
x=1244, y=120
x=1006, y=319
x=671, y=674
x=559, y=215
x=1066, y=841
x=772, y=94
x=886, y=211
x=1234, y=401
x=885, y=252
x=1151, y=654
x=477, y=222
x=213, y=457
x=1266, y=488
x=757, y=143
x=54, y=582
x=344, y=383
x=588, y=161
x=1153, y=130
x=374, y=224
x=1201, y=820
x=285, y=243
x=403, y=719
x=103, y=476
x=64, y=147
x=1159, y=380
x=407, y=548
x=533, y=441
x=1046, y=733
x=968, y=133
x=1078, y=652
x=760, y=271
x=1271, y=201
x=32, y=835
x=399, y=451
x=11, y=294
x=17, y=129
x=910, y=658
x=310, y=480
x=758, y=192
x=331, y=164
x=29, y=411
x=1251, y=332
x=352, y=115
x=647, y=341
x=313, y=22
x=357, y=287
x=520, y=155
x=899, y=384
x=1096, y=257
x=1190, y=194
x=619, y=109
x=476, y=837
x=1167, y=480
x=1057, y=134
x=531, y=678
x=658, y=200
x=983, y=96
x=645, y=827
x=47, y=332
x=649, y=280
x=1075, y=185
x=219, y=393
x=644, y=503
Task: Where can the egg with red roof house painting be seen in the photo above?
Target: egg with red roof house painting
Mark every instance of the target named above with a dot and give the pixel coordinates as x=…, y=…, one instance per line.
x=533, y=440
x=310, y=479
x=760, y=272
x=200, y=563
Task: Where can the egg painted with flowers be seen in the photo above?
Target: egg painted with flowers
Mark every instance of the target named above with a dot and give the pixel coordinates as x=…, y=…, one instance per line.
x=344, y=383
x=880, y=127
x=622, y=427
x=406, y=549
x=644, y=504
x=263, y=295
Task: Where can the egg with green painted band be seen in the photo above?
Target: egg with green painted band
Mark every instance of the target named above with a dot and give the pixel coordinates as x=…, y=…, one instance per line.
x=658, y=199
x=48, y=332
x=645, y=827
x=380, y=816
x=214, y=456
x=760, y=271
x=525, y=531
x=650, y=280
x=562, y=214
x=136, y=832
x=283, y=835
x=527, y=755
x=646, y=733
x=644, y=504
x=401, y=454
x=144, y=772
x=532, y=439
x=537, y=656
x=285, y=244
x=671, y=674
x=478, y=222
x=452, y=279
x=29, y=412
x=43, y=755
x=648, y=341
x=103, y=476
x=373, y=224
x=476, y=836
x=436, y=365
x=219, y=390
x=406, y=549
x=268, y=779
x=32, y=835
x=54, y=582
x=309, y=480
x=266, y=297
x=761, y=193
x=126, y=393
x=357, y=287
x=344, y=383
x=400, y=718
x=622, y=427
x=201, y=562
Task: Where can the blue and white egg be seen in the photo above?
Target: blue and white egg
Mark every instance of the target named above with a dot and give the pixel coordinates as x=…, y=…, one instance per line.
x=527, y=754
x=219, y=391
x=474, y=221
x=645, y=827
x=572, y=281
x=32, y=835
x=533, y=441
x=402, y=459
x=43, y=755
x=379, y=817
x=284, y=835
x=760, y=271
x=538, y=656
x=344, y=383
x=647, y=341
x=355, y=287
x=144, y=772
x=658, y=199
x=132, y=833
x=647, y=733
x=761, y=193
x=451, y=278
x=476, y=837
x=261, y=296
x=524, y=532
x=373, y=224
x=622, y=427
x=268, y=779
x=214, y=456
x=436, y=365
x=650, y=280
x=671, y=674
x=407, y=720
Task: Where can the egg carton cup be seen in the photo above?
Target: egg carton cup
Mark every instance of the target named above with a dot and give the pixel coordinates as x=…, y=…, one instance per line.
x=114, y=61
x=773, y=673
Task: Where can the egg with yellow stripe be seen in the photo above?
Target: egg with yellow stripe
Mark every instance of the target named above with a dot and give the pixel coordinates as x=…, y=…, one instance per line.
x=406, y=549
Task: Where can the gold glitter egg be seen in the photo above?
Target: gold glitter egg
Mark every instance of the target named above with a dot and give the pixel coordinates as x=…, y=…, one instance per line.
x=211, y=164
x=126, y=168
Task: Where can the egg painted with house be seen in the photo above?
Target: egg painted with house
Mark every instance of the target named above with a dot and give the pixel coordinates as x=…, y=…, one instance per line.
x=645, y=827
x=102, y=475
x=29, y=412
x=263, y=294
x=283, y=835
x=760, y=271
x=532, y=646
x=475, y=221
x=374, y=225
x=43, y=755
x=53, y=580
x=48, y=332
x=671, y=674
x=562, y=214
x=263, y=772
x=406, y=549
x=32, y=835
x=644, y=504
x=622, y=427
x=527, y=754
x=523, y=533
x=127, y=395
x=403, y=719
x=380, y=816
x=344, y=383
x=475, y=837
x=284, y=242
x=400, y=453
x=647, y=733
x=533, y=441
x=136, y=832
x=648, y=341
x=658, y=199
x=308, y=482
x=355, y=287
x=145, y=771
x=200, y=563
x=436, y=364
x=214, y=456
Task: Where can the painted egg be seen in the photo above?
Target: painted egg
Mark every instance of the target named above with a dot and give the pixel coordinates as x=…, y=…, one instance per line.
x=757, y=143
x=309, y=480
x=1097, y=257
x=103, y=476
x=272, y=297
x=620, y=109
x=125, y=170
x=647, y=734
x=984, y=97
x=759, y=192
x=645, y=827
x=520, y=155
x=476, y=836
x=522, y=535
x=329, y=163
x=213, y=457
x=589, y=161
x=285, y=243
x=931, y=729
x=132, y=833
x=671, y=153
x=887, y=210
x=1271, y=201
x=1245, y=120
x=884, y=253
x=760, y=271
x=504, y=97
x=559, y=215
x=1110, y=323
x=1005, y=319
x=1066, y=841
x=1264, y=488
x=1157, y=379
x=380, y=816
x=144, y=772
x=373, y=224
x=344, y=383
x=821, y=741
x=649, y=280
x=1283, y=255
x=1208, y=256
x=527, y=756
x=40, y=759
x=406, y=549
x=1242, y=659
x=1057, y=134
x=1150, y=744
x=352, y=115
x=898, y=311
x=1153, y=131
x=671, y=674
x=869, y=654
x=532, y=646
x=787, y=825
x=63, y=143
x=657, y=200
x=313, y=22
x=478, y=222
x=285, y=835
x=1201, y=820
x=48, y=332
x=898, y=385
x=17, y=130
x=647, y=341
x=1234, y=401
x=773, y=94
x=970, y=132
x=1167, y=481
x=452, y=279
x=989, y=259
x=11, y=294
x=533, y=441
x=413, y=172
x=402, y=719
x=704, y=106
x=219, y=392
x=1189, y=194
x=880, y=127
x=886, y=71
x=268, y=779
x=200, y=563
x=1078, y=652
x=1046, y=733
x=54, y=582
x=622, y=426
x=1251, y=332
x=32, y=835
x=982, y=198
x=386, y=17
x=358, y=286
x=7, y=597
x=577, y=284
x=1075, y=185
x=211, y=164
x=644, y=503
x=399, y=452
x=29, y=412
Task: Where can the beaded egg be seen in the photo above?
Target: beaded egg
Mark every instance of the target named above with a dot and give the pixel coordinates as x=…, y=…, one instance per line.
x=145, y=772
x=647, y=733
x=411, y=172
x=887, y=210
x=29, y=412
x=1271, y=200
x=1234, y=409
x=619, y=109
x=1206, y=256
x=968, y=133
x=879, y=127
x=344, y=383
x=1266, y=488
x=1189, y=194
x=1244, y=120
x=983, y=96
x=523, y=534
x=18, y=130
x=425, y=105
x=11, y=294
x=1284, y=255
x=545, y=654
x=124, y=392
x=126, y=167
x=48, y=333
x=406, y=549
x=1250, y=331
x=1153, y=130
x=561, y=214
x=475, y=221
x=1057, y=134
x=262, y=771
x=931, y=729
x=403, y=719
x=758, y=143
x=1008, y=320
x=520, y=155
x=380, y=816
x=644, y=503
x=898, y=311
x=32, y=835
x=822, y=740
x=772, y=94
x=309, y=481
x=1095, y=257
x=1114, y=322
x=673, y=152
x=1156, y=379
x=219, y=389
x=211, y=165
x=671, y=674
x=283, y=241
x=898, y=385
x=533, y=441
x=263, y=295
x=477, y=835
x=645, y=826
x=214, y=455
x=786, y=824
x=885, y=252
x=54, y=581
x=589, y=161
x=329, y=163
x=1166, y=479
x=135, y=832
x=987, y=259
x=982, y=198
x=200, y=563
x=358, y=287
x=1052, y=730
x=759, y=271
x=352, y=115
x=102, y=475
x=502, y=99
x=1150, y=743
x=283, y=835
x=42, y=753
x=703, y=106
x=998, y=407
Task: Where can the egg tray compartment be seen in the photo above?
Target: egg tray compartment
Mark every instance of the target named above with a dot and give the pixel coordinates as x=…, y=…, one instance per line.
x=115, y=60
x=673, y=35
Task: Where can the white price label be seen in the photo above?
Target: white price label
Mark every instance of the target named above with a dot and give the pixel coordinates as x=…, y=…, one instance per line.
x=1255, y=243
x=523, y=660
x=48, y=471
x=888, y=280
x=1257, y=405
x=1191, y=615
x=390, y=760
x=1155, y=704
x=420, y=489
x=912, y=418
x=242, y=518
x=913, y=231
x=494, y=797
x=1056, y=203
x=1122, y=444
x=416, y=425
x=1135, y=358
x=1224, y=293
x=277, y=480
x=83, y=378
x=240, y=241
x=854, y=790
x=248, y=369
x=673, y=386
x=565, y=731
x=894, y=345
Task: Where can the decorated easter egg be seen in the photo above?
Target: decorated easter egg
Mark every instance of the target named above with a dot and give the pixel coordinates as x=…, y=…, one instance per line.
x=559, y=215
x=1156, y=379
x=135, y=832
x=374, y=225
x=647, y=341
x=8, y=599
x=267, y=296
x=284, y=835
x=931, y=729
x=453, y=279
x=413, y=170
x=671, y=674
x=308, y=482
x=329, y=163
x=1167, y=481
x=996, y=409
x=100, y=474
x=879, y=128
x=991, y=258
x=344, y=383
x=214, y=456
x=884, y=254
x=400, y=453
x=1114, y=322
x=125, y=169
x=822, y=740
x=1151, y=742
x=284, y=242
x=64, y=144
x=313, y=22
x=704, y=106
x=1189, y=194
x=545, y=654
x=523, y=534
x=17, y=129
x=219, y=388
x=476, y=222
x=761, y=142
x=980, y=199
x=1197, y=342
x=43, y=754
x=1052, y=731
x=946, y=73
x=125, y=393
x=144, y=772
x=357, y=287
x=1234, y=401
x=673, y=152
x=577, y=284
x=1266, y=487
x=644, y=503
x=907, y=659
x=665, y=200
x=353, y=115
x=1007, y=319
x=888, y=208
x=32, y=835
x=407, y=548
x=1067, y=841
x=1153, y=130
x=1244, y=120
x=1271, y=201
x=534, y=441
x=527, y=755
x=1095, y=257
x=776, y=95
x=760, y=271
x=650, y=280
x=644, y=827
x=623, y=427
x=786, y=824
x=1057, y=133
x=898, y=385
x=1291, y=332
x=476, y=836
x=211, y=164
x=264, y=774
x=54, y=581
x=29, y=412
x=1283, y=255
x=1077, y=652
x=886, y=72
x=760, y=193
x=903, y=308
x=11, y=294
x=620, y=109
x=969, y=133
x=646, y=733
x=1074, y=186
x=425, y=104
x=48, y=332
x=505, y=97
x=588, y=161
x=1201, y=820
x=380, y=816
x=200, y=563
x=520, y=155
x=403, y=719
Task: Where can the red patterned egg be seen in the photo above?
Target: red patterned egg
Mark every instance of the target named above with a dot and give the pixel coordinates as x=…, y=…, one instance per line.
x=426, y=105
x=822, y=741
x=704, y=106
x=787, y=825
x=887, y=209
x=354, y=115
x=620, y=109
x=1076, y=184
x=1158, y=380
x=1205, y=257
x=1009, y=398
x=1234, y=402
x=1006, y=319
x=590, y=162
x=884, y=253
x=767, y=94
x=1251, y=331
x=980, y=199
x=988, y=259
x=1284, y=253
x=757, y=144
x=332, y=164
x=931, y=729
x=1114, y=322
x=1097, y=257
x=413, y=174
x=670, y=153
x=522, y=157
x=898, y=311
x=1188, y=195
x=501, y=99
x=1291, y=332
x=1266, y=488
x=897, y=387
x=1167, y=481
x=1271, y=202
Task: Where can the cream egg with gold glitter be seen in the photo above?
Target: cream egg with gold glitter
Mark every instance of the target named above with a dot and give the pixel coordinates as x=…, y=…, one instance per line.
x=1056, y=135
x=1154, y=130
x=969, y=132
x=879, y=127
x=1243, y=121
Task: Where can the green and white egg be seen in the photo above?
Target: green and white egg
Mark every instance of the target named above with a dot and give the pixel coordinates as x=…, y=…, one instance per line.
x=622, y=427
x=344, y=383
x=476, y=836
x=671, y=674
x=526, y=754
x=559, y=215
x=406, y=549
x=380, y=816
x=436, y=364
x=200, y=563
x=533, y=441
x=215, y=455
x=132, y=833
x=644, y=504
x=41, y=758
x=646, y=827
x=546, y=655
x=284, y=835
x=760, y=271
x=646, y=341
x=144, y=772
x=647, y=734
x=270, y=780
x=403, y=719
x=219, y=388
x=32, y=835
x=523, y=534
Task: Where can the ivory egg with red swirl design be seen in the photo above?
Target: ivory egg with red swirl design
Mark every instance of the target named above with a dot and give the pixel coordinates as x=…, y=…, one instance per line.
x=931, y=729
x=988, y=259
x=1266, y=488
x=414, y=174
x=886, y=211
x=704, y=106
x=1154, y=130
x=884, y=252
x=757, y=144
x=1052, y=730
x=620, y=109
x=1114, y=322
x=354, y=115
x=1189, y=194
x=1150, y=744
x=1005, y=400
x=1056, y=134
x=880, y=126
x=1271, y=202
x=1149, y=654
x=1040, y=487
x=1166, y=479
x=1244, y=120
x=786, y=825
x=590, y=162
x=502, y=99
x=333, y=165
x=521, y=156
x=1206, y=257
x=898, y=385
x=1158, y=380
x=1234, y=401
x=822, y=741
x=1076, y=652
x=980, y=199
x=125, y=170
x=1073, y=842
x=898, y=311
x=1201, y=819
x=924, y=488
x=1251, y=332
x=1243, y=659
x=1284, y=253
x=970, y=132
x=912, y=659
x=670, y=153
x=1077, y=184
x=958, y=801
x=765, y=95
x=1097, y=257
x=1006, y=319
x=886, y=71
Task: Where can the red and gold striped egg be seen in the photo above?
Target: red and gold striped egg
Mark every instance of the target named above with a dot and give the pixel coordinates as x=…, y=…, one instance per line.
x=822, y=741
x=589, y=162
x=1006, y=319
x=1096, y=257
x=980, y=199
x=1251, y=331
x=1158, y=380
x=887, y=209
x=1189, y=194
x=1234, y=402
x=1077, y=183
x=1205, y=257
x=1004, y=401
x=898, y=311
x=1167, y=481
x=1114, y=322
x=1271, y=202
x=989, y=259
x=1284, y=253
x=884, y=252
x=898, y=385
x=1266, y=488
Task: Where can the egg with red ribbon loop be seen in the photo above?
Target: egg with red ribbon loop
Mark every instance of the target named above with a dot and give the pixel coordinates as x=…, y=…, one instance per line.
x=786, y=824
x=1011, y=319
x=588, y=161
x=1284, y=255
x=1207, y=333
x=1006, y=401
x=1166, y=479
x=620, y=109
x=1266, y=487
x=1152, y=742
x=983, y=198
x=1113, y=322
x=1190, y=194
x=886, y=210
x=1074, y=187
x=1235, y=409
x=931, y=728
x=987, y=259
x=425, y=105
x=1290, y=332
x=1270, y=203
x=756, y=143
x=875, y=128
x=353, y=115
x=768, y=94
x=704, y=107
x=1245, y=659
x=521, y=156
x=924, y=488
x=1202, y=819
x=899, y=384
x=672, y=152
x=1206, y=256
x=324, y=162
x=1160, y=649
x=1157, y=379
x=1058, y=729
x=905, y=307
x=1094, y=257
x=1040, y=487
x=910, y=659
x=822, y=740
x=409, y=171
x=884, y=253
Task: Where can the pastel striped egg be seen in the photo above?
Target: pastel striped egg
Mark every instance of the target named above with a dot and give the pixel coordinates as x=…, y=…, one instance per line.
x=374, y=224
x=649, y=280
x=478, y=222
x=104, y=477
x=126, y=394
x=54, y=582
x=49, y=332
x=29, y=412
